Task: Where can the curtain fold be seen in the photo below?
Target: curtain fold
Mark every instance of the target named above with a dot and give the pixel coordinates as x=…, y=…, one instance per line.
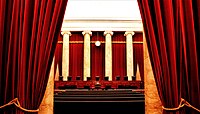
x=29, y=32
x=58, y=56
x=118, y=56
x=97, y=56
x=76, y=55
x=172, y=32
x=138, y=54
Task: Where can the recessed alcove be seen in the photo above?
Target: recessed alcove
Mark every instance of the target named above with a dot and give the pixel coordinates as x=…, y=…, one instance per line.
x=101, y=90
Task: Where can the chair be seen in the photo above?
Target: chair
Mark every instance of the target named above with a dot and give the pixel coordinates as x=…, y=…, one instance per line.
x=78, y=78
x=125, y=78
x=117, y=78
x=97, y=78
x=106, y=78
x=69, y=78
x=133, y=77
x=88, y=78
x=60, y=78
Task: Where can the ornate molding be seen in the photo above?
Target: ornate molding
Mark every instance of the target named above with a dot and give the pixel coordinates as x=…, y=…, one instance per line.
x=87, y=32
x=108, y=32
x=66, y=32
x=102, y=25
x=114, y=42
x=129, y=32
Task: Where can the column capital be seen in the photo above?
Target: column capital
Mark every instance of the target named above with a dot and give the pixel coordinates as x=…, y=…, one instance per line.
x=129, y=32
x=108, y=32
x=66, y=32
x=87, y=32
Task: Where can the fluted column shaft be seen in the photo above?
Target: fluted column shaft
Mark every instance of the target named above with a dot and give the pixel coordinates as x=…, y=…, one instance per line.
x=129, y=55
x=65, y=55
x=108, y=54
x=86, y=58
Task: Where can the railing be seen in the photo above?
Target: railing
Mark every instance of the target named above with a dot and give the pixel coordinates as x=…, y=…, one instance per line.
x=99, y=84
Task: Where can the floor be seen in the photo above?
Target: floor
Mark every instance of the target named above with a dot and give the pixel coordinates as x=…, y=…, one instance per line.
x=99, y=107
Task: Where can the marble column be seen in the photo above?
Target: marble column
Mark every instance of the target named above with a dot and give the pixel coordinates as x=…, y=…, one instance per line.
x=152, y=101
x=65, y=55
x=46, y=106
x=86, y=58
x=129, y=54
x=108, y=54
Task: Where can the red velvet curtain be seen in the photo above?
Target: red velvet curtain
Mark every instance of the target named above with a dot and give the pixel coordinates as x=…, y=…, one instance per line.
x=172, y=29
x=76, y=55
x=118, y=55
x=58, y=56
x=138, y=54
x=28, y=35
x=97, y=56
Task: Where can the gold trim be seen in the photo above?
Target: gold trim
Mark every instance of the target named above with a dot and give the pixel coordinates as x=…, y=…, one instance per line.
x=60, y=42
x=76, y=42
x=114, y=42
x=138, y=42
x=15, y=101
x=182, y=103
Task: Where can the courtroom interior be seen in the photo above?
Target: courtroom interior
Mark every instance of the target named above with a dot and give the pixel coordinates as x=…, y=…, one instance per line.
x=101, y=56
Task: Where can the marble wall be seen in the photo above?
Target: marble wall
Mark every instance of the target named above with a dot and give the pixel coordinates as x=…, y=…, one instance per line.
x=152, y=101
x=46, y=107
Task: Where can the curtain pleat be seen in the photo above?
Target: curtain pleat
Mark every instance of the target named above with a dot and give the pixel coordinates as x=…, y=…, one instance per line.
x=98, y=56
x=118, y=56
x=29, y=32
x=138, y=54
x=76, y=56
x=172, y=32
x=58, y=56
